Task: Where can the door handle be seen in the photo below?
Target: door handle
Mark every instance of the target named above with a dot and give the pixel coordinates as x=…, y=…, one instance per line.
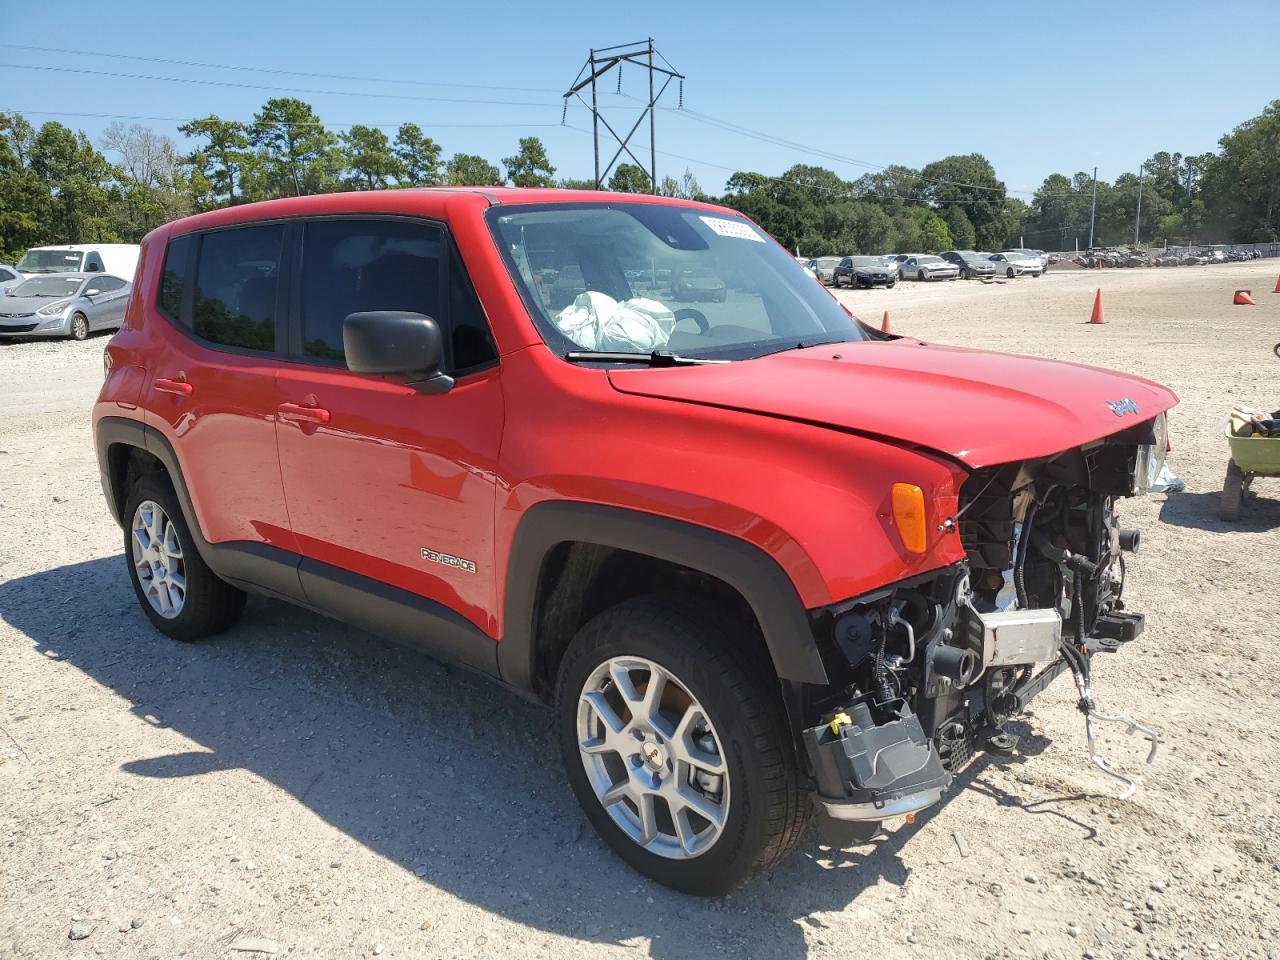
x=303, y=414
x=177, y=387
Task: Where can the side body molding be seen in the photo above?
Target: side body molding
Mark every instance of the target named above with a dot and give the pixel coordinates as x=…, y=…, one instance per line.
x=766, y=587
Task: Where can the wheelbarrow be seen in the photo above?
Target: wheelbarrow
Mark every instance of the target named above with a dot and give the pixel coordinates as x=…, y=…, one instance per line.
x=1255, y=452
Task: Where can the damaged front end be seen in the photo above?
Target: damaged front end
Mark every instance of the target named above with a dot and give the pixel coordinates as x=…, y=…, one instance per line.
x=927, y=671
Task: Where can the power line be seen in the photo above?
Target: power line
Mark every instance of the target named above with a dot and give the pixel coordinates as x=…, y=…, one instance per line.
x=396, y=124
x=272, y=70
x=259, y=86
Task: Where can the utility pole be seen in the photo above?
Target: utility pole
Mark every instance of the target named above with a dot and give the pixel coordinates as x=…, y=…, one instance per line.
x=1093, y=207
x=599, y=62
x=1137, y=220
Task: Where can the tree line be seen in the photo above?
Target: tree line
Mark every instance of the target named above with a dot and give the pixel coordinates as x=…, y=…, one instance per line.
x=56, y=186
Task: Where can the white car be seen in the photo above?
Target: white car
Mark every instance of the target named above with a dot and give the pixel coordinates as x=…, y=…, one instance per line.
x=926, y=266
x=119, y=259
x=9, y=277
x=1014, y=264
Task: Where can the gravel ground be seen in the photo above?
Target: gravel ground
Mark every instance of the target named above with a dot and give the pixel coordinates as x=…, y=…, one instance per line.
x=301, y=788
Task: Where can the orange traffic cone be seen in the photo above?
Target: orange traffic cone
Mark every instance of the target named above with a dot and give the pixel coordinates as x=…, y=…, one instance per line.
x=1096, y=316
x=1243, y=298
x=1277, y=289
x=884, y=323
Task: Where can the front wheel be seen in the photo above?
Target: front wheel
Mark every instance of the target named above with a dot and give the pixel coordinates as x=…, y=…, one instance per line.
x=921, y=276
x=677, y=746
x=1010, y=273
x=79, y=327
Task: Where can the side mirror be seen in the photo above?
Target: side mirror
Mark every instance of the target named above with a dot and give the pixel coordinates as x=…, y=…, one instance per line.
x=92, y=292
x=394, y=341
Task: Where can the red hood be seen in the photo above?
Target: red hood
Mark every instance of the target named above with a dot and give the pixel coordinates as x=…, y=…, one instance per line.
x=980, y=408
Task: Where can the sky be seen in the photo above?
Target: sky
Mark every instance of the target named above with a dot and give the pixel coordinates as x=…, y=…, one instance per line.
x=1036, y=88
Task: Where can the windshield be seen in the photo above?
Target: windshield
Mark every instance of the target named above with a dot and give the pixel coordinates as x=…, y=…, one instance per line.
x=827, y=262
x=643, y=277
x=50, y=261
x=47, y=287
x=869, y=261
x=930, y=260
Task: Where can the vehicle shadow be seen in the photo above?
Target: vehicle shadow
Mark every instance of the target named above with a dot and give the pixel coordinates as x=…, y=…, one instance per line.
x=1259, y=511
x=440, y=772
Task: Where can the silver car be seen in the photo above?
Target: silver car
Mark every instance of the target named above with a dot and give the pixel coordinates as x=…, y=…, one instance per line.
x=926, y=266
x=63, y=305
x=9, y=277
x=824, y=267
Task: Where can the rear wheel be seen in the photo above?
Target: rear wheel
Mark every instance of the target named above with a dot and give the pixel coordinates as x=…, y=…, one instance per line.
x=677, y=746
x=79, y=327
x=177, y=591
x=1232, y=493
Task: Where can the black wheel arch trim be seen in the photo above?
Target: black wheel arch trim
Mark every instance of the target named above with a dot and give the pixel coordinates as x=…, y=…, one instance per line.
x=768, y=590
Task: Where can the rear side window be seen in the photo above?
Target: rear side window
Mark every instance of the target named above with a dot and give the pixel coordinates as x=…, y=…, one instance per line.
x=237, y=277
x=174, y=278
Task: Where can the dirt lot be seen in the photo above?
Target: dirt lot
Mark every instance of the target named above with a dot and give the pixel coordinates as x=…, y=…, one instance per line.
x=301, y=787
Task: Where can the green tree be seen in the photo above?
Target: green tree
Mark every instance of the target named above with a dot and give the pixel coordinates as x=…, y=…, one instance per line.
x=216, y=167
x=959, y=227
x=530, y=166
x=80, y=186
x=969, y=182
x=629, y=178
x=572, y=183
x=24, y=198
x=1241, y=186
x=419, y=157
x=370, y=160
x=686, y=188
x=298, y=155
x=934, y=234
x=466, y=169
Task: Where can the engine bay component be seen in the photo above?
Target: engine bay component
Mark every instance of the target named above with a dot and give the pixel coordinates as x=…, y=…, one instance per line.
x=1015, y=636
x=880, y=764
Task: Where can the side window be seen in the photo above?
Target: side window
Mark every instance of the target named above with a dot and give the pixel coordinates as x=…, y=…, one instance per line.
x=350, y=266
x=108, y=284
x=173, y=280
x=93, y=263
x=7, y=274
x=236, y=280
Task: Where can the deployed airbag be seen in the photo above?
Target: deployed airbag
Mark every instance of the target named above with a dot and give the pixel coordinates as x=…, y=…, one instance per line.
x=596, y=321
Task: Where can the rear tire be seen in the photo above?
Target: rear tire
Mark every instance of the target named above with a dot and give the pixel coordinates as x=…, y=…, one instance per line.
x=1232, y=493
x=762, y=807
x=204, y=605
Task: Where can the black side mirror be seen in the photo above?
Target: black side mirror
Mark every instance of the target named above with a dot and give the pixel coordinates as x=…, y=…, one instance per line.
x=394, y=341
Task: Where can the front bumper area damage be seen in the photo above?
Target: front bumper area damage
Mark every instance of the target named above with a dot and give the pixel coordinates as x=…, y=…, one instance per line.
x=928, y=671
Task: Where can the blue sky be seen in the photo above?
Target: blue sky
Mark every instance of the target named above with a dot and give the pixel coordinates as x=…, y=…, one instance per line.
x=1037, y=88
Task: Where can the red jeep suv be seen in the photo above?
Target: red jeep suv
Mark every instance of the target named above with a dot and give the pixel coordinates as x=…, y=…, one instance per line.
x=765, y=562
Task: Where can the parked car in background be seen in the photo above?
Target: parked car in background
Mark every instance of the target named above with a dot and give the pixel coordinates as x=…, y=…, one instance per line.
x=117, y=259
x=693, y=284
x=1033, y=254
x=825, y=267
x=971, y=264
x=926, y=266
x=63, y=305
x=865, y=272
x=9, y=276
x=1013, y=264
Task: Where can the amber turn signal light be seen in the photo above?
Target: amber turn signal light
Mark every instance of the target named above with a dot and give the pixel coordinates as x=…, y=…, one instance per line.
x=909, y=517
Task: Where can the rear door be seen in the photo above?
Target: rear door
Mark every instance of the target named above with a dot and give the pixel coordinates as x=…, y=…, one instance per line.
x=211, y=388
x=387, y=483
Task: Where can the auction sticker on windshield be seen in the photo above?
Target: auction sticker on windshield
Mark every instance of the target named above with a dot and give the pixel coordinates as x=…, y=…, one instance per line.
x=731, y=228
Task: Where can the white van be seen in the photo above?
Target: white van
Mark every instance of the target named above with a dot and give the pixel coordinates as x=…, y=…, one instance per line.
x=117, y=259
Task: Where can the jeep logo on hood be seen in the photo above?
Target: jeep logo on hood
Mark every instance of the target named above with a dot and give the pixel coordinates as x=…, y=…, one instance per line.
x=1122, y=406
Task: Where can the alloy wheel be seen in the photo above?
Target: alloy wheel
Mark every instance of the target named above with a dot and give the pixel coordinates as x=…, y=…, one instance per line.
x=79, y=327
x=158, y=559
x=653, y=758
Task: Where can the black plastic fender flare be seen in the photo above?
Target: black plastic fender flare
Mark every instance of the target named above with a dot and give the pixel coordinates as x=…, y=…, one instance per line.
x=772, y=596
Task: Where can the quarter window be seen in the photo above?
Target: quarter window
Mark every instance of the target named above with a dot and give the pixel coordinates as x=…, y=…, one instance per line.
x=236, y=281
x=173, y=280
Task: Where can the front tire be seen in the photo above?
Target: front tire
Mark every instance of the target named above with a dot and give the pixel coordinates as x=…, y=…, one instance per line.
x=177, y=591
x=677, y=746
x=79, y=327
x=1010, y=273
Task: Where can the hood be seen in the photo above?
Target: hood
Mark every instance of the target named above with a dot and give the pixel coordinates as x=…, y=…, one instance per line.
x=976, y=407
x=26, y=305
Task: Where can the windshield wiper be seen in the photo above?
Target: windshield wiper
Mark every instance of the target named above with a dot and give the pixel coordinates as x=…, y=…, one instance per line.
x=658, y=358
